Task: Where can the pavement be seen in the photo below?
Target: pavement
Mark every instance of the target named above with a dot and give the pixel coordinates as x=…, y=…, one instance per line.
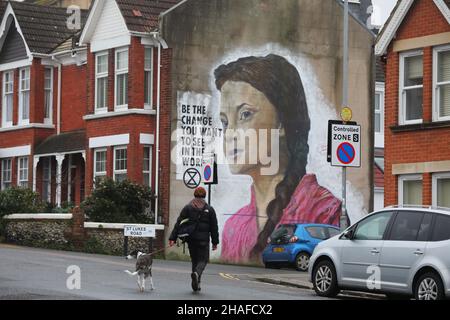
x=40, y=274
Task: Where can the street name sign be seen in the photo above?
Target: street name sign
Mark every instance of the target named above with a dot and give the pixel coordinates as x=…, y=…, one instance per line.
x=140, y=231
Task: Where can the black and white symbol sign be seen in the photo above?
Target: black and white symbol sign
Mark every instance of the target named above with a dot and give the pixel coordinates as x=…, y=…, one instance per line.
x=192, y=178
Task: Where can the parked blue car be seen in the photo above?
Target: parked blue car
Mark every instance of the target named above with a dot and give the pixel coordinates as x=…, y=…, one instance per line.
x=293, y=244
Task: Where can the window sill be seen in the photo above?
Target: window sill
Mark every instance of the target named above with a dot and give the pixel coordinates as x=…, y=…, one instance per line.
x=28, y=126
x=420, y=126
x=119, y=113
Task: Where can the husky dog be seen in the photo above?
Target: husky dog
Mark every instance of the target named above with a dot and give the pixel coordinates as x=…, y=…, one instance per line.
x=143, y=270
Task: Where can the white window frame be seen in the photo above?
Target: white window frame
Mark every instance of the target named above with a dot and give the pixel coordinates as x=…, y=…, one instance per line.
x=436, y=177
x=100, y=75
x=379, y=136
x=117, y=73
x=100, y=173
x=116, y=171
x=21, y=92
x=20, y=169
x=436, y=96
x=4, y=109
x=49, y=119
x=402, y=91
x=402, y=179
x=2, y=173
x=47, y=180
x=149, y=105
x=149, y=171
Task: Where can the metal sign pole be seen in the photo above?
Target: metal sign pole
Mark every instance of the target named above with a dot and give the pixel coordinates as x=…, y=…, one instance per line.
x=343, y=219
x=209, y=194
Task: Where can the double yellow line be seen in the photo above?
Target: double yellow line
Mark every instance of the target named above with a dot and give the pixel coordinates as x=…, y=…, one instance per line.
x=228, y=276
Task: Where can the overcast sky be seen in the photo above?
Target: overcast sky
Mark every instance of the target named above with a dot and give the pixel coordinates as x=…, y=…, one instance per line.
x=382, y=10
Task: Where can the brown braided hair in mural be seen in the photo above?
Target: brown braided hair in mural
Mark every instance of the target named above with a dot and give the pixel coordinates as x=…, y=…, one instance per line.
x=280, y=82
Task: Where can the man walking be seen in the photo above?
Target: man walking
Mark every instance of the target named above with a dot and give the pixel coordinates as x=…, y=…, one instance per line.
x=205, y=220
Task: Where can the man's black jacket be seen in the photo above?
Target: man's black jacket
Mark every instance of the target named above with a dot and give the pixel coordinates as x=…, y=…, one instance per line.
x=207, y=224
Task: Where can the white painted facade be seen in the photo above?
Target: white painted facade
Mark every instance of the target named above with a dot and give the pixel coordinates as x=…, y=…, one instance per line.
x=110, y=30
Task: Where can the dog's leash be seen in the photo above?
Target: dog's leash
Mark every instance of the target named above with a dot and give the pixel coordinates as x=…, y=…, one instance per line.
x=158, y=251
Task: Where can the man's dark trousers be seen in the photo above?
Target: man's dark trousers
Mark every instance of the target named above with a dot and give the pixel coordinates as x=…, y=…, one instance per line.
x=199, y=252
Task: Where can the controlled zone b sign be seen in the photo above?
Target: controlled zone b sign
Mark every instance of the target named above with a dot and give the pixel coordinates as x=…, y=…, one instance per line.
x=345, y=145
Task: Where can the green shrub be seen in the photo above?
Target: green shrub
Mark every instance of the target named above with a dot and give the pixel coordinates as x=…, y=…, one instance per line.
x=119, y=202
x=20, y=200
x=66, y=207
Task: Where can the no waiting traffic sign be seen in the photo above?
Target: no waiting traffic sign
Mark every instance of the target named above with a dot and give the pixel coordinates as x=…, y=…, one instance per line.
x=345, y=145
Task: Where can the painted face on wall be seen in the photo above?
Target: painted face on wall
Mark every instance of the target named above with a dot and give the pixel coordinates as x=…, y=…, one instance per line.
x=245, y=113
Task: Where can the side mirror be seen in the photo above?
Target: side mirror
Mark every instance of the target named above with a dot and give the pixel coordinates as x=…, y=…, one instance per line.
x=348, y=234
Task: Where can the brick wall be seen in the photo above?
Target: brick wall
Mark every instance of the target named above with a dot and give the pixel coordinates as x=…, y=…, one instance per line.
x=415, y=145
x=74, y=98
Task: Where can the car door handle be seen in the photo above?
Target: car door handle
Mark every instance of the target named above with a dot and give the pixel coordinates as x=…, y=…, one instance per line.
x=375, y=251
x=418, y=252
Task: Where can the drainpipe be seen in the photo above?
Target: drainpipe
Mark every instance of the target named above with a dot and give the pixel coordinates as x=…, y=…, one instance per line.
x=158, y=107
x=161, y=43
x=58, y=110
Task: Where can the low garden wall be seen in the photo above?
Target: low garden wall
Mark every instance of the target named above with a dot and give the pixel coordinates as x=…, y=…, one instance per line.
x=51, y=231
x=108, y=238
x=71, y=232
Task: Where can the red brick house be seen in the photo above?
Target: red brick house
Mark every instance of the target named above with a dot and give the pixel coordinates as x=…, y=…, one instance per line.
x=86, y=103
x=415, y=46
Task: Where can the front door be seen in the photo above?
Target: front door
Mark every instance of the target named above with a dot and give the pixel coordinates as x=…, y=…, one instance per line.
x=361, y=254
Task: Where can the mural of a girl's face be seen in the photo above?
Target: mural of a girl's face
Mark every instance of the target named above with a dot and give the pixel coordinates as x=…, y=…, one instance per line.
x=244, y=108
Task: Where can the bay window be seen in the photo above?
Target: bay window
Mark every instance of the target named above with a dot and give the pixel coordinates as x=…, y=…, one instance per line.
x=120, y=164
x=6, y=173
x=147, y=166
x=24, y=96
x=101, y=82
x=121, y=70
x=48, y=95
x=148, y=79
x=22, y=174
x=47, y=180
x=411, y=87
x=8, y=97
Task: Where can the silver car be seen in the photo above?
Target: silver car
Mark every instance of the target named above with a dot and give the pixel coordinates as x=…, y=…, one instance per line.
x=402, y=252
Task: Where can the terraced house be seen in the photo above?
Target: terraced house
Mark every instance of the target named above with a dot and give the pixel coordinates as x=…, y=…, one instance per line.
x=415, y=45
x=83, y=102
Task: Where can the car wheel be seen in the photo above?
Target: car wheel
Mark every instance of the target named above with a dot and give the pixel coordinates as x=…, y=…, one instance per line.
x=302, y=261
x=429, y=287
x=325, y=279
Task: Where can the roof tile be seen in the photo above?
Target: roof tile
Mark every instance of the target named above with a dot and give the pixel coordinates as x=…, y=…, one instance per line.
x=44, y=27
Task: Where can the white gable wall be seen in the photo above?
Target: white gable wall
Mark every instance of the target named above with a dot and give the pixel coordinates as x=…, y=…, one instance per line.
x=111, y=30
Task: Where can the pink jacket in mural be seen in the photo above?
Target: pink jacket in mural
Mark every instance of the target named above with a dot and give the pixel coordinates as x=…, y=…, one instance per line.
x=310, y=203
